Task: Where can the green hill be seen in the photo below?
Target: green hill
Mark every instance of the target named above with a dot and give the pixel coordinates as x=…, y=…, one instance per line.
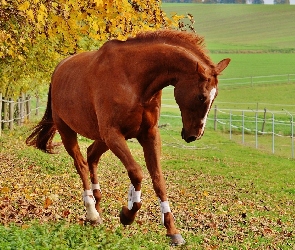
x=243, y=28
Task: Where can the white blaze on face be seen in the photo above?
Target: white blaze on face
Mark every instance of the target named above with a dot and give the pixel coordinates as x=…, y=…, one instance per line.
x=211, y=96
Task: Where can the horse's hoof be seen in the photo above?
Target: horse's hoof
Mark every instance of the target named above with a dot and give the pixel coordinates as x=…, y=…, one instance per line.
x=176, y=239
x=95, y=222
x=124, y=219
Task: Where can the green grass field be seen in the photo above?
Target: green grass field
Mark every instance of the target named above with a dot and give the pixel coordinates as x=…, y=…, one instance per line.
x=258, y=38
x=224, y=195
x=260, y=41
x=242, y=28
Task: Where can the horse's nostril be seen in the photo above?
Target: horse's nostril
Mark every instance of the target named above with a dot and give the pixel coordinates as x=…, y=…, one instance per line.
x=191, y=139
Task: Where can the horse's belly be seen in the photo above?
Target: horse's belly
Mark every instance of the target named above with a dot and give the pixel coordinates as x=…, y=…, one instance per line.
x=83, y=122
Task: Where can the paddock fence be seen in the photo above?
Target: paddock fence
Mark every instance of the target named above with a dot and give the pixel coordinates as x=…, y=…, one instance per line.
x=16, y=112
x=256, y=80
x=273, y=128
x=261, y=128
x=264, y=129
x=265, y=126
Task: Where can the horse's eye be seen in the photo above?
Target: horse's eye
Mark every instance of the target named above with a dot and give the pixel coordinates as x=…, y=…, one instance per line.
x=201, y=98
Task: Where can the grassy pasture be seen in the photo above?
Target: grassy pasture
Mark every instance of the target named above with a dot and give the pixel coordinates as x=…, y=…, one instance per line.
x=223, y=195
x=260, y=41
x=243, y=28
x=258, y=38
x=256, y=64
x=277, y=98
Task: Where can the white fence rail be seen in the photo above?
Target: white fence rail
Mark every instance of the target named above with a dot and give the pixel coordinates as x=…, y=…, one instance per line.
x=257, y=122
x=256, y=80
x=262, y=124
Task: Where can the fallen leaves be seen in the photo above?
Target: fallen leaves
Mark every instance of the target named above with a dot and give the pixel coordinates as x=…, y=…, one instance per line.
x=47, y=202
x=218, y=210
x=28, y=194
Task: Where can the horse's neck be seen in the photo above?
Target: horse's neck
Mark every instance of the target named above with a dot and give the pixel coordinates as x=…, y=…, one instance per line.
x=172, y=65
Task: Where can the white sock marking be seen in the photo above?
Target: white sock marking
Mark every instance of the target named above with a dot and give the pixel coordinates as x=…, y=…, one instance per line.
x=133, y=196
x=95, y=186
x=165, y=208
x=89, y=201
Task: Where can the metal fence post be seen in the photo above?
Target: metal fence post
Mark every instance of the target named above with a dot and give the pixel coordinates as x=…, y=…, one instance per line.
x=273, y=133
x=292, y=132
x=215, y=117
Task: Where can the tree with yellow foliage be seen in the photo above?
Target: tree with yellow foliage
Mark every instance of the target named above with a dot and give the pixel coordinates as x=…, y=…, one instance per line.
x=36, y=34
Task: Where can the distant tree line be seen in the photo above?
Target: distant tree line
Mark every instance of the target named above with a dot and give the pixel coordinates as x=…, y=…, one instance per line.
x=226, y=1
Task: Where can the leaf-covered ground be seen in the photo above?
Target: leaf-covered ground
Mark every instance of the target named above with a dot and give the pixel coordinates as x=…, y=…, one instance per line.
x=213, y=211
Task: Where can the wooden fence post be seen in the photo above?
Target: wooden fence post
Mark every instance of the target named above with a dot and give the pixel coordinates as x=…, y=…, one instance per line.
x=23, y=98
x=37, y=106
x=11, y=113
x=5, y=115
x=18, y=111
x=264, y=120
x=28, y=107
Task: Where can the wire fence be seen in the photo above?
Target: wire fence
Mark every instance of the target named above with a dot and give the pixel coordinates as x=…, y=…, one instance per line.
x=265, y=127
x=262, y=127
x=260, y=123
x=257, y=80
x=16, y=112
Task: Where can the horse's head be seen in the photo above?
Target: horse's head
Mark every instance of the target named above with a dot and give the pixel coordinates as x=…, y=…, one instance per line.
x=195, y=95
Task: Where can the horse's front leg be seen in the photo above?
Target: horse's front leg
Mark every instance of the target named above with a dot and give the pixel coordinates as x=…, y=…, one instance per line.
x=117, y=144
x=151, y=144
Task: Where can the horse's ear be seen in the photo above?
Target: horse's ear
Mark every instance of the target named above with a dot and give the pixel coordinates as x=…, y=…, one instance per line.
x=222, y=65
x=201, y=70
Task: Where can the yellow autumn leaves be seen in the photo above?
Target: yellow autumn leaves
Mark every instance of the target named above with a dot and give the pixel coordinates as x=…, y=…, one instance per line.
x=69, y=20
x=38, y=33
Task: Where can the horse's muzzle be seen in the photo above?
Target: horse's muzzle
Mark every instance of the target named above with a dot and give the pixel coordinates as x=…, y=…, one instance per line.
x=189, y=138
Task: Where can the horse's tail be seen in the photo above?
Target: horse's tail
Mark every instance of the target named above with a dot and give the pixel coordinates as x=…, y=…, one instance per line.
x=44, y=131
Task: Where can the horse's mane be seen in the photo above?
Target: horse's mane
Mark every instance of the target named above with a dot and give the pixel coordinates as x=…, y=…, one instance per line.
x=190, y=41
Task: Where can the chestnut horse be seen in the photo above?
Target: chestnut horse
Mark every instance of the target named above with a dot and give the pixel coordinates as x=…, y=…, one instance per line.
x=114, y=94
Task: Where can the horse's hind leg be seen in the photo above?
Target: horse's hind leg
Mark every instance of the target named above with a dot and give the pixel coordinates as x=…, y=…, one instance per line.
x=94, y=152
x=69, y=139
